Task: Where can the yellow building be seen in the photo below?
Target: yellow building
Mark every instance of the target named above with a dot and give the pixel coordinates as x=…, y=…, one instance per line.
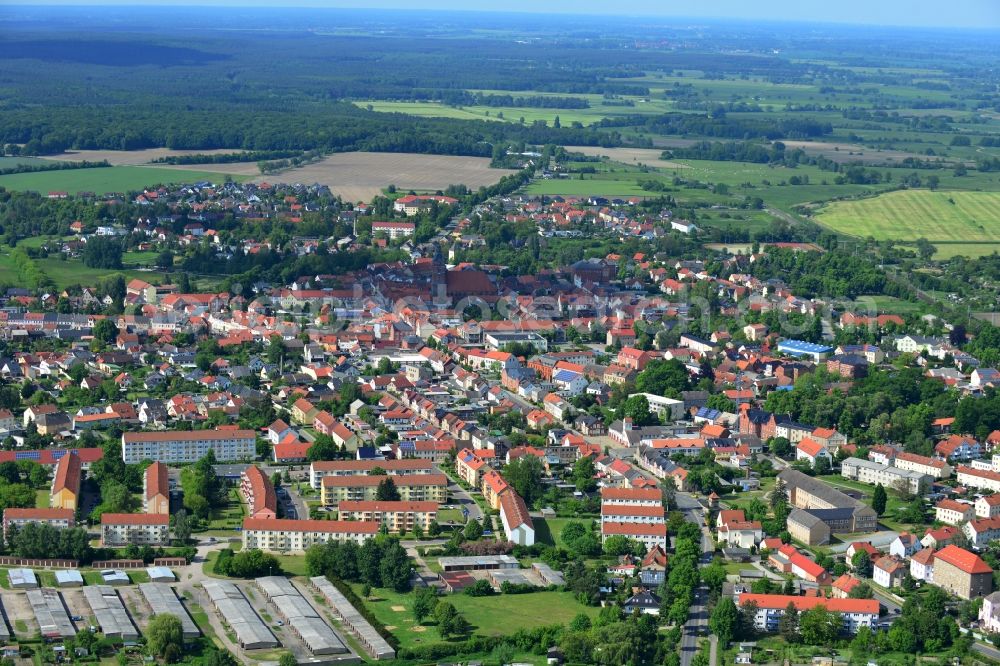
x=65, y=492
x=364, y=488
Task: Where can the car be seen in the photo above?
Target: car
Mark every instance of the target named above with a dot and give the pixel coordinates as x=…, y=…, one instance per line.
x=77, y=618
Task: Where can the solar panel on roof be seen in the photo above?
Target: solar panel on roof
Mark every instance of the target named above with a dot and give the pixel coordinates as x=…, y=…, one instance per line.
x=57, y=454
x=27, y=455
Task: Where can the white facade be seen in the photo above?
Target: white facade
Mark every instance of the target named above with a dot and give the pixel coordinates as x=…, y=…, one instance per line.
x=181, y=447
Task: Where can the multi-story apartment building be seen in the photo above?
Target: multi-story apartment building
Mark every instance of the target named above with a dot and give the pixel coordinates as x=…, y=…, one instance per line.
x=156, y=489
x=932, y=467
x=398, y=517
x=856, y=613
x=320, y=470
x=867, y=471
x=411, y=487
x=54, y=517
x=296, y=536
x=633, y=513
x=470, y=467
x=953, y=512
x=258, y=491
x=494, y=487
x=978, y=478
x=189, y=446
x=143, y=529
x=649, y=535
x=639, y=496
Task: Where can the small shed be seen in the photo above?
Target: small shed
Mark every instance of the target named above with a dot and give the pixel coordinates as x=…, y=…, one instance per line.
x=69, y=578
x=115, y=577
x=161, y=575
x=22, y=579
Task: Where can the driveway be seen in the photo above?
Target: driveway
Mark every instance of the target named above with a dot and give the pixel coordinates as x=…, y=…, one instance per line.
x=463, y=500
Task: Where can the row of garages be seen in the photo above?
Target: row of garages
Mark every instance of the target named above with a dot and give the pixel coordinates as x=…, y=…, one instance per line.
x=234, y=609
x=303, y=620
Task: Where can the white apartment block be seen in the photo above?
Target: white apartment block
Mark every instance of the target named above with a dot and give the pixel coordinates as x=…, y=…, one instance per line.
x=188, y=446
x=932, y=467
x=143, y=529
x=867, y=471
x=296, y=536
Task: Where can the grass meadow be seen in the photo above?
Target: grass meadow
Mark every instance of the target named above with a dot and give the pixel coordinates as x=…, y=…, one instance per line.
x=911, y=214
x=102, y=180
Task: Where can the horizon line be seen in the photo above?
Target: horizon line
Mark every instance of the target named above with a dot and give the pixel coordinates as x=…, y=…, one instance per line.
x=298, y=4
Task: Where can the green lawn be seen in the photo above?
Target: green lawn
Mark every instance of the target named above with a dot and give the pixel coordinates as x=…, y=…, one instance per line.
x=519, y=611
x=42, y=499
x=229, y=515
x=549, y=530
x=450, y=516
x=293, y=564
x=913, y=214
x=108, y=179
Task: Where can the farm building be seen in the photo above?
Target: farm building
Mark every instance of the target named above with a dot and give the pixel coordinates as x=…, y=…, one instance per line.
x=161, y=574
x=115, y=577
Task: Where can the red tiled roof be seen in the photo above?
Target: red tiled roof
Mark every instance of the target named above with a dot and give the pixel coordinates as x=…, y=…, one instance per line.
x=639, y=529
x=135, y=519
x=513, y=506
x=282, y=525
x=634, y=494
x=48, y=456
x=157, y=481
x=67, y=474
x=781, y=601
x=38, y=514
x=963, y=560
x=262, y=495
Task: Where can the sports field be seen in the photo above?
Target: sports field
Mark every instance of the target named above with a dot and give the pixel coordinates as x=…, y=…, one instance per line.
x=108, y=179
x=911, y=214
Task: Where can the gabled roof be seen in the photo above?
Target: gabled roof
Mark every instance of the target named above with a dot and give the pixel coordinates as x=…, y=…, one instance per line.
x=962, y=559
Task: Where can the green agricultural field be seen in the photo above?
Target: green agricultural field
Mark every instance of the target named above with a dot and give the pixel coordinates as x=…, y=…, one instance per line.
x=911, y=214
x=107, y=179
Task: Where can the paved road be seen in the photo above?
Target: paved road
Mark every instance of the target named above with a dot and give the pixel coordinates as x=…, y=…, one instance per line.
x=986, y=650
x=463, y=500
x=698, y=615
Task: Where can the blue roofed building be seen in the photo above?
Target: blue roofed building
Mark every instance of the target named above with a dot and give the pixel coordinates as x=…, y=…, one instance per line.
x=803, y=349
x=569, y=383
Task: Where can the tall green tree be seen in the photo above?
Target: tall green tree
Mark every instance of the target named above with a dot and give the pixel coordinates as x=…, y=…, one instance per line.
x=724, y=620
x=879, y=499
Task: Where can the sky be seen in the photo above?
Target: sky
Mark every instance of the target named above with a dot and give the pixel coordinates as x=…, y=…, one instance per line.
x=924, y=13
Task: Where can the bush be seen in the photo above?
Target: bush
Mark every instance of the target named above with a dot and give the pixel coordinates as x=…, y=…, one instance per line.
x=481, y=588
